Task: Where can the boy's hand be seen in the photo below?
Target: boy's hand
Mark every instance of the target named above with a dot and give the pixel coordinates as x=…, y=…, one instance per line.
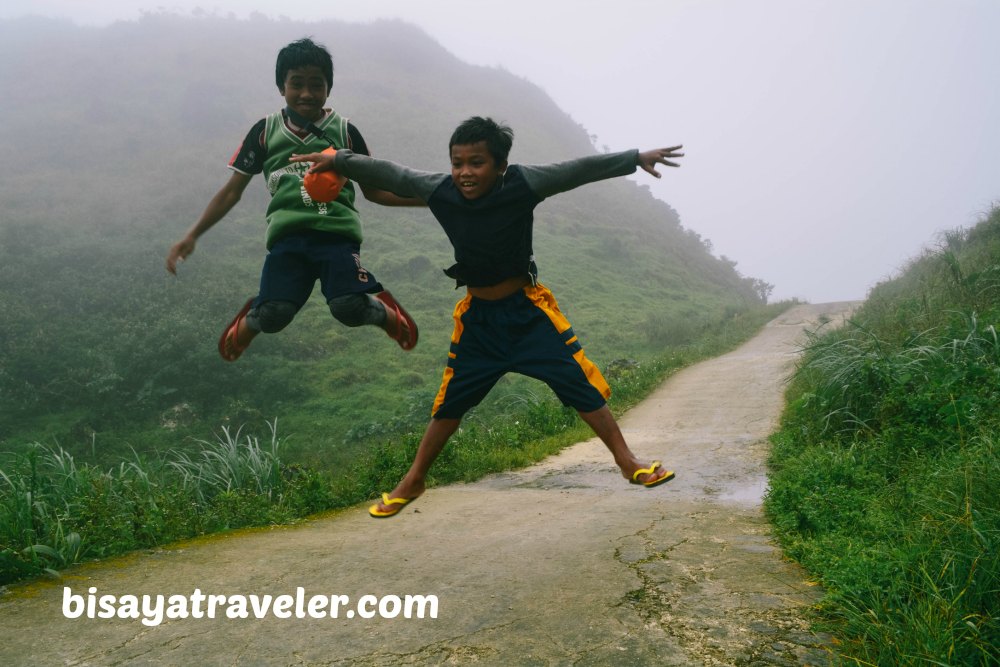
x=179, y=252
x=321, y=181
x=649, y=159
x=321, y=161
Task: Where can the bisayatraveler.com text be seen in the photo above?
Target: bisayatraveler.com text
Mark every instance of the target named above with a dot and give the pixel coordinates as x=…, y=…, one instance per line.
x=152, y=610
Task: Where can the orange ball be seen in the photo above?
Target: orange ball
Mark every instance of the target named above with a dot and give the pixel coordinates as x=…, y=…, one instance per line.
x=324, y=186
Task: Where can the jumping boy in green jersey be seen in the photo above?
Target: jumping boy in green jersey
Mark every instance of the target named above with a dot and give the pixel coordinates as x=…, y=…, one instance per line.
x=508, y=321
x=306, y=240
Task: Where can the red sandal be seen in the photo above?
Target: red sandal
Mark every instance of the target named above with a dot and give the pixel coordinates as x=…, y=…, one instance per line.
x=407, y=338
x=229, y=349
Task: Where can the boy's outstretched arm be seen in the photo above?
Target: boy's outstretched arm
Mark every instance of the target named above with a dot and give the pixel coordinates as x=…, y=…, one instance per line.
x=386, y=198
x=649, y=159
x=550, y=179
x=369, y=172
x=223, y=202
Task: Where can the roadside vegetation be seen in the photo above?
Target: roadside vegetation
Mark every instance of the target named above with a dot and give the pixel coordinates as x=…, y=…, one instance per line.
x=56, y=511
x=885, y=474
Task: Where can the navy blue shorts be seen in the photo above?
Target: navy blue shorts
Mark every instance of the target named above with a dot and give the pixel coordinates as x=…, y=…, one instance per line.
x=524, y=333
x=295, y=262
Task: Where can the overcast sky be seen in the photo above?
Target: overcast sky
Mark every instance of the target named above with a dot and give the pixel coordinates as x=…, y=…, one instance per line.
x=827, y=141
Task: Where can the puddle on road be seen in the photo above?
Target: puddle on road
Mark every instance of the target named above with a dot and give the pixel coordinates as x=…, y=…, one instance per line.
x=749, y=492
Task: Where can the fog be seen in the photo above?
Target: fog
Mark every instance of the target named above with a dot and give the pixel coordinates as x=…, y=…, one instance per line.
x=827, y=141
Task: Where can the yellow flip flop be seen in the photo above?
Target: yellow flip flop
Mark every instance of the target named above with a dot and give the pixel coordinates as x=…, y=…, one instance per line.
x=386, y=500
x=649, y=471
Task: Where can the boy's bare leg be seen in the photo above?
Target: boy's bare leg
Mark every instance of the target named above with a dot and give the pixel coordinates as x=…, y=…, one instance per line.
x=434, y=440
x=604, y=425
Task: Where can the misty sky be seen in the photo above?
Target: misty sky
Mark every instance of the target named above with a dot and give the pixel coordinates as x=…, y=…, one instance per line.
x=827, y=141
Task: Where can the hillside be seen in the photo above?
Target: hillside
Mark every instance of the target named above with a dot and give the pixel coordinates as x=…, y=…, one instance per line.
x=117, y=137
x=885, y=477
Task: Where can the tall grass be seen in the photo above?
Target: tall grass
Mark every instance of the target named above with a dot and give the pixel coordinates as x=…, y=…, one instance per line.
x=885, y=474
x=231, y=466
x=55, y=511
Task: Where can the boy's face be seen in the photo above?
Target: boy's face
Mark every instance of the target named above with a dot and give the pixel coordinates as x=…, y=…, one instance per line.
x=473, y=169
x=305, y=90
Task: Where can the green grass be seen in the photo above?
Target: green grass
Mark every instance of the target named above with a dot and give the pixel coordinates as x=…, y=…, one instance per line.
x=56, y=511
x=885, y=475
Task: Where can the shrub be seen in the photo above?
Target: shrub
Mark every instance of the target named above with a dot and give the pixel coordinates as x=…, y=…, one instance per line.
x=885, y=476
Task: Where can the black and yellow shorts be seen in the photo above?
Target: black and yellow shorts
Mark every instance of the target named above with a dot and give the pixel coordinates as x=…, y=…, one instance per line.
x=523, y=333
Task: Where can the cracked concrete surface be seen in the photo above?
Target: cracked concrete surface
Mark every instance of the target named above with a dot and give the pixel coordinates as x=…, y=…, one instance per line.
x=563, y=563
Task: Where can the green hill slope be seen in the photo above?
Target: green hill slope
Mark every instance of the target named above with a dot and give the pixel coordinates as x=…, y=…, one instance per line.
x=885, y=475
x=117, y=137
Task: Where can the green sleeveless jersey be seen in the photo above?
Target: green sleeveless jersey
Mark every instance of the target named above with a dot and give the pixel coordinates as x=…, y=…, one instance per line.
x=291, y=208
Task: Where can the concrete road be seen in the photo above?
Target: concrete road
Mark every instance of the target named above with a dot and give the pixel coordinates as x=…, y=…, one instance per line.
x=563, y=563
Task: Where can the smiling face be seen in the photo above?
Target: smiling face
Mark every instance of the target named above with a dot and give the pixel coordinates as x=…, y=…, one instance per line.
x=474, y=170
x=305, y=90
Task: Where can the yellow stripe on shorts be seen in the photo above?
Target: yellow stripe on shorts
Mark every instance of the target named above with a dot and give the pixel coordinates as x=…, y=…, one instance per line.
x=456, y=335
x=546, y=302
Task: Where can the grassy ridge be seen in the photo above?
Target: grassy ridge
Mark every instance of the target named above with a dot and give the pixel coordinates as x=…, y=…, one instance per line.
x=886, y=471
x=56, y=511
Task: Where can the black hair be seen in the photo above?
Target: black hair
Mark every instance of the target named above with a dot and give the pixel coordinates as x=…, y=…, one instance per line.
x=498, y=137
x=301, y=53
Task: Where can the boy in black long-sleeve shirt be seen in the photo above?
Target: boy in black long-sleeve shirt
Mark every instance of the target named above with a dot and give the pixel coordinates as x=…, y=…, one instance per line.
x=508, y=321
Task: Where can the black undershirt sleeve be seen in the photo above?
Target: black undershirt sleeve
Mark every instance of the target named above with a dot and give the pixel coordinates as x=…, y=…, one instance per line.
x=249, y=157
x=355, y=141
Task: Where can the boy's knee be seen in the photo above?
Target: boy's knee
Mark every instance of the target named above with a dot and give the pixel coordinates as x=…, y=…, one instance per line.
x=272, y=316
x=355, y=310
